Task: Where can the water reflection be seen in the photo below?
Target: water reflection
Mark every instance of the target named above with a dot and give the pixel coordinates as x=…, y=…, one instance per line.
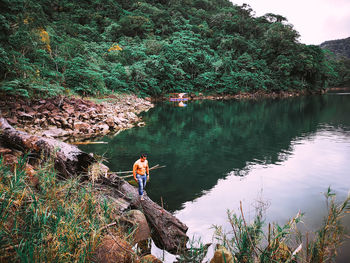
x=209, y=140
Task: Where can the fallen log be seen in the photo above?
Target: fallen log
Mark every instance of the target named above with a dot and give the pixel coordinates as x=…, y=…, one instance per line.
x=168, y=232
x=69, y=160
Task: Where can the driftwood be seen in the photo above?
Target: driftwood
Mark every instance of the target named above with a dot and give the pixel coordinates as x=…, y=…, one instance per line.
x=69, y=160
x=168, y=232
x=88, y=142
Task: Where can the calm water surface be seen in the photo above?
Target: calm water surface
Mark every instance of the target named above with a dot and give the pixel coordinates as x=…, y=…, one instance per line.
x=285, y=152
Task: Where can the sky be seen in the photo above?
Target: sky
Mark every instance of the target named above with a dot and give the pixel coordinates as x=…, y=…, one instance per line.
x=315, y=20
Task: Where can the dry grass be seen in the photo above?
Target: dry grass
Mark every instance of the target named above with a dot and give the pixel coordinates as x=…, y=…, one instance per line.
x=58, y=221
x=248, y=242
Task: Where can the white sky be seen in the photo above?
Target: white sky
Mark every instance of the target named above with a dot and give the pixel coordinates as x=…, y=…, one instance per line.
x=315, y=20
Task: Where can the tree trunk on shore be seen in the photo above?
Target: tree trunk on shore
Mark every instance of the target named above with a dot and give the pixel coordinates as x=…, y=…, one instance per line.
x=168, y=232
x=69, y=160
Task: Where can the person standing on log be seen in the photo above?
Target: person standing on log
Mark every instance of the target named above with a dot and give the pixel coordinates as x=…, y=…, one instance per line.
x=141, y=173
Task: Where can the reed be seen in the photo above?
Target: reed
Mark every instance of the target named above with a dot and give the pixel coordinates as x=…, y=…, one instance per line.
x=56, y=221
x=250, y=243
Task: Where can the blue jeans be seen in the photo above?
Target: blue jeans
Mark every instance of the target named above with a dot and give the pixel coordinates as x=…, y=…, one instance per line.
x=141, y=179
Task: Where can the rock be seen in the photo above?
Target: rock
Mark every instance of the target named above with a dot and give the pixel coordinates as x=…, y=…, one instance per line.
x=24, y=115
x=150, y=259
x=104, y=128
x=64, y=123
x=138, y=219
x=110, y=122
x=10, y=159
x=31, y=173
x=131, y=115
x=222, y=255
x=51, y=121
x=81, y=126
x=13, y=121
x=117, y=120
x=113, y=249
x=4, y=150
x=46, y=113
x=37, y=121
x=55, y=132
x=69, y=109
x=85, y=116
x=141, y=124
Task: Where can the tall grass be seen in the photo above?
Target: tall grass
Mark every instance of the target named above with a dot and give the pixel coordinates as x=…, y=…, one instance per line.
x=249, y=243
x=58, y=221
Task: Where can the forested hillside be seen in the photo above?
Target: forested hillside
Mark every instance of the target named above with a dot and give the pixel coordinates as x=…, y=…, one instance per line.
x=341, y=54
x=151, y=47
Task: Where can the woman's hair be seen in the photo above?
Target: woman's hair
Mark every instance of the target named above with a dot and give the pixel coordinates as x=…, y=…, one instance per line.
x=143, y=155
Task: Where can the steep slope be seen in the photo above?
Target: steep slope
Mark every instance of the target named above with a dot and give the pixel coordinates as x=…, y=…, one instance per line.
x=151, y=47
x=340, y=47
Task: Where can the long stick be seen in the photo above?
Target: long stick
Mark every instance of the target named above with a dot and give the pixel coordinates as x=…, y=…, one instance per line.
x=126, y=172
x=131, y=175
x=77, y=143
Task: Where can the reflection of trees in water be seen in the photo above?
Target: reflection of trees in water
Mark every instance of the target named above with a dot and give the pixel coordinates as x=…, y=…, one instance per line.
x=205, y=141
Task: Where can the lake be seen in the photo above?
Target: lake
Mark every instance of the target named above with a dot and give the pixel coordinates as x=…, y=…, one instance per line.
x=284, y=152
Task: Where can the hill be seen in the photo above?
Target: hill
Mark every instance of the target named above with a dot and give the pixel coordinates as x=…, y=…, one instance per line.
x=340, y=58
x=340, y=47
x=151, y=47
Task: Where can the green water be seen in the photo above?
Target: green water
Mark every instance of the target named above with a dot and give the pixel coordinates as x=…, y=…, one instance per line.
x=217, y=153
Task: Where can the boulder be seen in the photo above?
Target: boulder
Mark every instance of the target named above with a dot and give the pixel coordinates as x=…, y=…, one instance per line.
x=222, y=255
x=24, y=115
x=141, y=124
x=131, y=115
x=139, y=223
x=104, y=128
x=81, y=126
x=117, y=120
x=4, y=150
x=113, y=249
x=110, y=121
x=13, y=121
x=54, y=133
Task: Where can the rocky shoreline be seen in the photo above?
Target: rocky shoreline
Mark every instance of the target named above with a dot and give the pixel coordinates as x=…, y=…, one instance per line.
x=260, y=94
x=72, y=118
x=77, y=119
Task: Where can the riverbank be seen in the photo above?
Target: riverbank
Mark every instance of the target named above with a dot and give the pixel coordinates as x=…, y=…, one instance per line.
x=74, y=118
x=260, y=94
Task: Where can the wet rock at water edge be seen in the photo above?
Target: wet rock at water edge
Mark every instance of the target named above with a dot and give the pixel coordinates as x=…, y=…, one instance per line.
x=137, y=220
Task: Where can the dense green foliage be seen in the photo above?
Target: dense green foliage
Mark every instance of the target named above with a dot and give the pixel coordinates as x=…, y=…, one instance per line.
x=151, y=47
x=340, y=58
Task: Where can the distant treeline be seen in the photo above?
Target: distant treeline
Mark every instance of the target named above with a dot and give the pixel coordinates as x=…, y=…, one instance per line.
x=341, y=54
x=152, y=47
